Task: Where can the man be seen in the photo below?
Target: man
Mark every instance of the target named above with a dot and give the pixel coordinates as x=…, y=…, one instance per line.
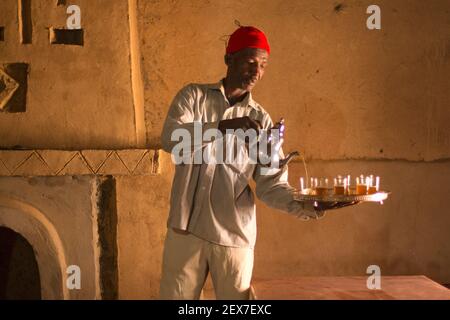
x=212, y=221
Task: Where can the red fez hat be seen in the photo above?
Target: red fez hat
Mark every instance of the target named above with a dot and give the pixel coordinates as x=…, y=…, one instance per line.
x=247, y=37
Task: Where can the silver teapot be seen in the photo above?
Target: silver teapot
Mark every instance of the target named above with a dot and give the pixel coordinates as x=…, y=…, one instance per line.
x=271, y=141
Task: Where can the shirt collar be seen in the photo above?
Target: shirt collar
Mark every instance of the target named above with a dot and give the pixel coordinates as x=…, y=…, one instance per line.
x=248, y=100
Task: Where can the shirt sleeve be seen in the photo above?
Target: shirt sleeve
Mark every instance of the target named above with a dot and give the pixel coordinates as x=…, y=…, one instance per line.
x=272, y=187
x=180, y=123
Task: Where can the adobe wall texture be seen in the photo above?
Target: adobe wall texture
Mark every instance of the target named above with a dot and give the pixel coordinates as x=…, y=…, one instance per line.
x=363, y=94
x=79, y=97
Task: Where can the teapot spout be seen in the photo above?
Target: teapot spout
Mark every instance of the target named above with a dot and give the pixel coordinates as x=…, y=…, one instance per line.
x=288, y=158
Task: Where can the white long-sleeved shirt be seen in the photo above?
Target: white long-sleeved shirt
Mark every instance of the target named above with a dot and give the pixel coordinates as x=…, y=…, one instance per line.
x=214, y=201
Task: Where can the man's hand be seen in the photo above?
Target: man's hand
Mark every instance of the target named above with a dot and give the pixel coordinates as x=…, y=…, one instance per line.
x=243, y=123
x=324, y=206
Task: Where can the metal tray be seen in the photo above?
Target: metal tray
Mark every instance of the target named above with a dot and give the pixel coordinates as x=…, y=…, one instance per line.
x=330, y=197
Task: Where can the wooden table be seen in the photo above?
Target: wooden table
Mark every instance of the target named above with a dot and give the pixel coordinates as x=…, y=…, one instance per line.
x=349, y=288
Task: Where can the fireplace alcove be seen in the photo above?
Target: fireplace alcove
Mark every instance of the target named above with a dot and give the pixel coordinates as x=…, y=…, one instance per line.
x=19, y=272
x=48, y=224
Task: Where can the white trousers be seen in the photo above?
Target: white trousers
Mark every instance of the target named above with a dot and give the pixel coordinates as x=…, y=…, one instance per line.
x=187, y=260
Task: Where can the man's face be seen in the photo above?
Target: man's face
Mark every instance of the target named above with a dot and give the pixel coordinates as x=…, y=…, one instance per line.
x=246, y=67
